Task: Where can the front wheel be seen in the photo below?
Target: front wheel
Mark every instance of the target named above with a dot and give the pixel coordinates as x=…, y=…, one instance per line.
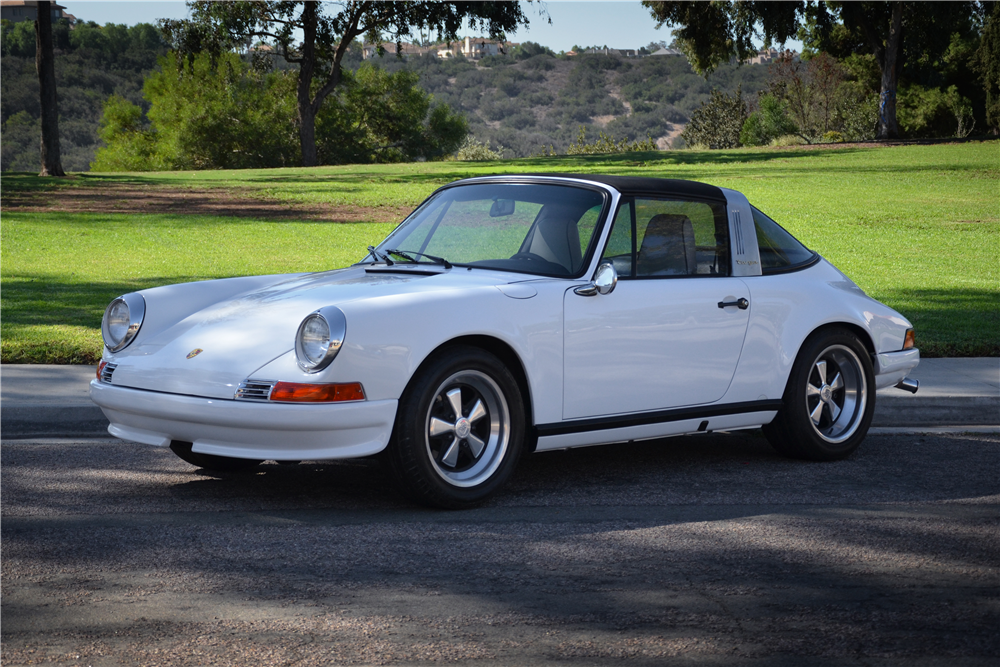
x=459, y=430
x=829, y=400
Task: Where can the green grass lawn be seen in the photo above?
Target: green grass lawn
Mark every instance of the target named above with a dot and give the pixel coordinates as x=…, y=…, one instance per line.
x=917, y=227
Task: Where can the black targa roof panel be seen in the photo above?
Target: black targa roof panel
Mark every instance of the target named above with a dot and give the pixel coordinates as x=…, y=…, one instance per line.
x=642, y=185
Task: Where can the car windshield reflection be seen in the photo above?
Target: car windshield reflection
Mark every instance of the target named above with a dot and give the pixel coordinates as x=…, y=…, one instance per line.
x=540, y=229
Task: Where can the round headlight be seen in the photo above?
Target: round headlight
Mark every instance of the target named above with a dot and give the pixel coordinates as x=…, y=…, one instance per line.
x=319, y=339
x=122, y=320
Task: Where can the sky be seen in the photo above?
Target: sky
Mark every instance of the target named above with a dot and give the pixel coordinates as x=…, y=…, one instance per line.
x=625, y=24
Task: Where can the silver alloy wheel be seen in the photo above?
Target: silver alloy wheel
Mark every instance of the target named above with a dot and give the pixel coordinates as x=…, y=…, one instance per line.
x=467, y=428
x=836, y=393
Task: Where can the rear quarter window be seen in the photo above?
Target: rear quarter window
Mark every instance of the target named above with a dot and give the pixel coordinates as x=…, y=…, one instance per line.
x=779, y=250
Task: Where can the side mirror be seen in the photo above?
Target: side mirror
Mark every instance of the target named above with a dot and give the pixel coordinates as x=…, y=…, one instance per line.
x=604, y=282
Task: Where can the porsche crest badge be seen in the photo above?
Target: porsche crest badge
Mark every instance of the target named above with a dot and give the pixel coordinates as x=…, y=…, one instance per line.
x=195, y=352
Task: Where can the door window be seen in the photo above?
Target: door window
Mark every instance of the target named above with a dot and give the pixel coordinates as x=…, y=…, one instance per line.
x=663, y=238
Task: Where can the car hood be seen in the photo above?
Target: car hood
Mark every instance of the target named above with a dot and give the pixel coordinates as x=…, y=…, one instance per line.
x=211, y=351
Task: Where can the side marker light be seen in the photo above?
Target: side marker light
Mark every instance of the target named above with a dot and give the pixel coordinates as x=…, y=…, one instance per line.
x=299, y=392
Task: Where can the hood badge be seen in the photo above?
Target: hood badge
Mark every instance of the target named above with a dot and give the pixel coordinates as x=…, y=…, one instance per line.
x=195, y=352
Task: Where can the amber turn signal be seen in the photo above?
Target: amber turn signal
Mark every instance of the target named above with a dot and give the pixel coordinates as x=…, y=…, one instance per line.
x=100, y=367
x=910, y=341
x=299, y=392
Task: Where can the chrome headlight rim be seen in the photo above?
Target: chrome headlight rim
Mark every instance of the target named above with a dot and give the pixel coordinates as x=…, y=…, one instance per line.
x=336, y=324
x=136, y=306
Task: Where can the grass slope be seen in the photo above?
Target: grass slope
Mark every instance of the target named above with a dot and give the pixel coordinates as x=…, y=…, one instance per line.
x=917, y=227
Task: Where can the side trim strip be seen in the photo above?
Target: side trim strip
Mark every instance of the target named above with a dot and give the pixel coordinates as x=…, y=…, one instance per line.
x=659, y=417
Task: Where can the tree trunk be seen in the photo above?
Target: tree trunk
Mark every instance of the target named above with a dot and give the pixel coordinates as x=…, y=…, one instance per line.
x=45, y=65
x=887, y=125
x=307, y=135
x=307, y=112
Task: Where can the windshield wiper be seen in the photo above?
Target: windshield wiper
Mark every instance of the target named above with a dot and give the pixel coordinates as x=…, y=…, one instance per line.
x=379, y=258
x=407, y=255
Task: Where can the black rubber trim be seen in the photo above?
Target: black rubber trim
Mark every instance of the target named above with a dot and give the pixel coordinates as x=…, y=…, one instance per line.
x=774, y=271
x=659, y=417
x=403, y=272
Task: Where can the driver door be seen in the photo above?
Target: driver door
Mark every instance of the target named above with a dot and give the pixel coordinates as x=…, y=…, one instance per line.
x=660, y=340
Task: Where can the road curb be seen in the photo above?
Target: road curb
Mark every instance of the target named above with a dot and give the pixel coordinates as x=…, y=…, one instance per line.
x=937, y=410
x=49, y=421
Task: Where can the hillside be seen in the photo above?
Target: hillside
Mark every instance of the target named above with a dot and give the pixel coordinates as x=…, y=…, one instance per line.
x=92, y=63
x=530, y=104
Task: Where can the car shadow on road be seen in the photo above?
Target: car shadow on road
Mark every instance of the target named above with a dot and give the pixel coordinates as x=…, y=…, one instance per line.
x=712, y=542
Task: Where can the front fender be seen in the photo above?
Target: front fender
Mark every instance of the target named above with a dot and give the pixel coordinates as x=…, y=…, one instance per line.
x=389, y=337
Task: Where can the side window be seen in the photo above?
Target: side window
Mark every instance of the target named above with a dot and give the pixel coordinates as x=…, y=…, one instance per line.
x=620, y=247
x=779, y=250
x=680, y=238
x=586, y=225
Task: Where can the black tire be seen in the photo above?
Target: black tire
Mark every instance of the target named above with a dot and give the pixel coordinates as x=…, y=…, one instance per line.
x=210, y=461
x=455, y=461
x=829, y=399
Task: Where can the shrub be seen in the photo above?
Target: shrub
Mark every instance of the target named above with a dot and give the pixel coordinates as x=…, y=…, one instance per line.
x=128, y=145
x=788, y=140
x=476, y=151
x=932, y=112
x=833, y=137
x=718, y=122
x=607, y=144
x=861, y=119
x=541, y=62
x=767, y=123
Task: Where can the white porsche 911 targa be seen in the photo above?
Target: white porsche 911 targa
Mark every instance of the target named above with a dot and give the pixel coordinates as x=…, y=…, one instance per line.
x=507, y=315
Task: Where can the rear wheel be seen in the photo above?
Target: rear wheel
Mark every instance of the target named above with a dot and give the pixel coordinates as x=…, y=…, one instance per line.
x=210, y=461
x=829, y=400
x=459, y=430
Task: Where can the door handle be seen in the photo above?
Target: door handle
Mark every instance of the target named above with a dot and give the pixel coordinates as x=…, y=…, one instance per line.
x=740, y=303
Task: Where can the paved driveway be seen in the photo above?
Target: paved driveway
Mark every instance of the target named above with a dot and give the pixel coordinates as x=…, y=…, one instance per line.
x=706, y=550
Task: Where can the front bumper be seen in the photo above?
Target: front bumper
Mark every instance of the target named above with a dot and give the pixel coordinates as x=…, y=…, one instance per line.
x=891, y=367
x=247, y=429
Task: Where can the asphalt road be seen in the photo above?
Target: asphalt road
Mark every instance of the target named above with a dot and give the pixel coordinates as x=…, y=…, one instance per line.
x=705, y=550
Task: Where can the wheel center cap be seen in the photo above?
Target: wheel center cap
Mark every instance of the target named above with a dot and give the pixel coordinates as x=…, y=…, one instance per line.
x=463, y=428
x=826, y=393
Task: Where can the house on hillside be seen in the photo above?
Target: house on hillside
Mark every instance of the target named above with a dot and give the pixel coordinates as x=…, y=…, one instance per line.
x=406, y=50
x=475, y=48
x=16, y=11
x=623, y=53
x=667, y=51
x=765, y=56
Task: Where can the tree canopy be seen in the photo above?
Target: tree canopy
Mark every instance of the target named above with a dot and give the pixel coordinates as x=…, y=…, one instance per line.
x=325, y=37
x=908, y=38
x=222, y=113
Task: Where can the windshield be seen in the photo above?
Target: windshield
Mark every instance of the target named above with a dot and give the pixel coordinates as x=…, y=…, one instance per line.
x=529, y=228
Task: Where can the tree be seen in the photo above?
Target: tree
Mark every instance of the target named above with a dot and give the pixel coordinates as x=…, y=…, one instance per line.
x=717, y=124
x=813, y=91
x=987, y=65
x=45, y=64
x=712, y=33
x=230, y=115
x=219, y=26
